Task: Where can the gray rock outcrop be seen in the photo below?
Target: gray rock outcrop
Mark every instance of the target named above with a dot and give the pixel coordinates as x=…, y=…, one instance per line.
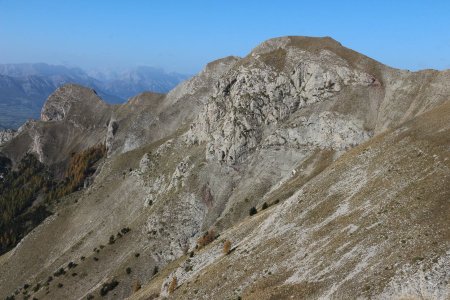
x=6, y=135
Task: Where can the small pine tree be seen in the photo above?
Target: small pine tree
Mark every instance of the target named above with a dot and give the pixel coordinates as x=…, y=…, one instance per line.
x=207, y=238
x=136, y=286
x=226, y=247
x=173, y=285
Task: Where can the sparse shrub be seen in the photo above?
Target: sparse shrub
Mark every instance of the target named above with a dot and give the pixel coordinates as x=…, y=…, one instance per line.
x=82, y=258
x=265, y=205
x=252, y=211
x=155, y=270
x=26, y=286
x=119, y=235
x=11, y=297
x=136, y=255
x=36, y=287
x=72, y=265
x=185, y=248
x=207, y=238
x=108, y=286
x=173, y=285
x=125, y=230
x=191, y=254
x=417, y=259
x=60, y=285
x=226, y=247
x=207, y=196
x=136, y=286
x=128, y=270
x=74, y=274
x=49, y=279
x=89, y=297
x=60, y=272
x=95, y=258
x=112, y=240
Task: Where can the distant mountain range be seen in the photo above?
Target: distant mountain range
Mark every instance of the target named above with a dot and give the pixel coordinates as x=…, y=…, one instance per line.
x=25, y=87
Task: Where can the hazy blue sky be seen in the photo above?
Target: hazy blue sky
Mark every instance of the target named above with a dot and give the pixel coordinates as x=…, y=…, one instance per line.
x=184, y=35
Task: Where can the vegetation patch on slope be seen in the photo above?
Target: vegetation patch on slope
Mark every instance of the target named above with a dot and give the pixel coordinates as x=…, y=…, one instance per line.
x=18, y=190
x=80, y=167
x=27, y=193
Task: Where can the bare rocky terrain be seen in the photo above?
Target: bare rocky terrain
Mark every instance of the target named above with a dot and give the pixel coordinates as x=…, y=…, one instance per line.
x=343, y=162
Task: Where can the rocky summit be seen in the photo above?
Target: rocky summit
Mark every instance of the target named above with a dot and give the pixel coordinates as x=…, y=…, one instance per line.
x=304, y=170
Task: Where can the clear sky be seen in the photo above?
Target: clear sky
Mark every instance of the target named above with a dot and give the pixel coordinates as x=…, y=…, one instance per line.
x=184, y=35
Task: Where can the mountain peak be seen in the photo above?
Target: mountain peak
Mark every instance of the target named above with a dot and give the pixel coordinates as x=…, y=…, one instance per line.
x=285, y=53
x=70, y=98
x=301, y=42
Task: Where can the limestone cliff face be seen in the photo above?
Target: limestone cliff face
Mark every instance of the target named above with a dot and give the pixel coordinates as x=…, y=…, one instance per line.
x=291, y=92
x=276, y=81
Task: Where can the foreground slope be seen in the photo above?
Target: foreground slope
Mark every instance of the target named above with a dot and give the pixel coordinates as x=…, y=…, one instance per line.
x=278, y=126
x=375, y=224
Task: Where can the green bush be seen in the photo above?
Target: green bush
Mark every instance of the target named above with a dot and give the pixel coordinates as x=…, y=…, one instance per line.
x=108, y=286
x=125, y=230
x=60, y=272
x=252, y=211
